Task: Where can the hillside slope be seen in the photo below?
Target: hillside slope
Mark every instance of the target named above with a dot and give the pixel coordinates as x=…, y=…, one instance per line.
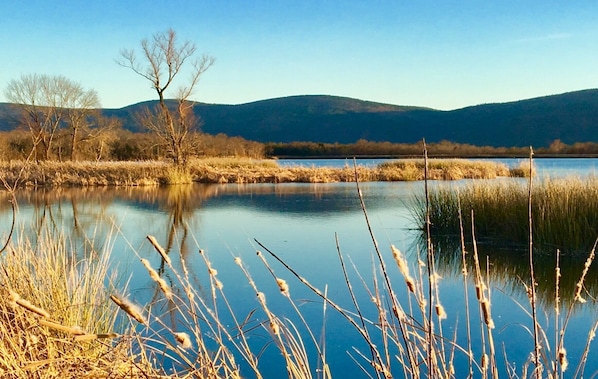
x=571, y=117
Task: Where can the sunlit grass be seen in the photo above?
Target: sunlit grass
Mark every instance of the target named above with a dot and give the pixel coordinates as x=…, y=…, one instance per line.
x=564, y=212
x=56, y=319
x=236, y=170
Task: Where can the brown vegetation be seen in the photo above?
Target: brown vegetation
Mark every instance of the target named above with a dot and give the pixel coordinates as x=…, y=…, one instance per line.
x=231, y=170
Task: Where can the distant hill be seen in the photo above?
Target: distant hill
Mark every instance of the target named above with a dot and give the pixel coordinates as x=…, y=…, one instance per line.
x=571, y=117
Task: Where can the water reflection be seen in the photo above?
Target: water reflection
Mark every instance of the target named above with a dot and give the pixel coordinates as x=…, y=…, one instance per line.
x=173, y=215
x=509, y=269
x=298, y=221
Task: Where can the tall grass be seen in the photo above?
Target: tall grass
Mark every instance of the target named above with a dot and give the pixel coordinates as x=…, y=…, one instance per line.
x=233, y=170
x=56, y=320
x=564, y=212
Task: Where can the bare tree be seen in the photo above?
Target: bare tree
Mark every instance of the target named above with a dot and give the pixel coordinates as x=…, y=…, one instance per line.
x=48, y=103
x=82, y=109
x=163, y=59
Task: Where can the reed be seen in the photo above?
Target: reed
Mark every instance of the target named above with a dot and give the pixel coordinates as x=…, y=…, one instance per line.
x=56, y=320
x=233, y=170
x=564, y=211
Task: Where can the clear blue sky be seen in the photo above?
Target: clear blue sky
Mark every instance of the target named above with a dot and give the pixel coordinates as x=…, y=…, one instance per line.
x=439, y=54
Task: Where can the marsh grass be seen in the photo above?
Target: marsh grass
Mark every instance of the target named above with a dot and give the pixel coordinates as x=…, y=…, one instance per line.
x=56, y=320
x=233, y=170
x=565, y=212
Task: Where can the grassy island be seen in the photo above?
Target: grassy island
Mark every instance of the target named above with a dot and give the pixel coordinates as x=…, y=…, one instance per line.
x=236, y=170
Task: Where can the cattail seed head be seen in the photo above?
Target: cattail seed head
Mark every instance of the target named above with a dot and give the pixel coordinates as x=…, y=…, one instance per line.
x=486, y=312
x=129, y=308
x=261, y=297
x=156, y=278
x=184, y=340
x=16, y=298
x=160, y=250
x=275, y=328
x=563, y=358
x=403, y=268
x=485, y=362
x=480, y=289
x=283, y=286
x=440, y=312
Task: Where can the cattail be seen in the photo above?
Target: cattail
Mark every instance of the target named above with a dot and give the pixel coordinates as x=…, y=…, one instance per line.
x=218, y=284
x=16, y=298
x=238, y=261
x=398, y=312
x=129, y=308
x=262, y=298
x=563, y=358
x=156, y=278
x=485, y=362
x=160, y=250
x=486, y=311
x=403, y=268
x=275, y=328
x=74, y=330
x=184, y=340
x=376, y=301
x=283, y=286
x=91, y=337
x=440, y=312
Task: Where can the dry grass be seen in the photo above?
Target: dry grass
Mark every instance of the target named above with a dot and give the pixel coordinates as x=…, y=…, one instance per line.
x=565, y=212
x=56, y=320
x=234, y=170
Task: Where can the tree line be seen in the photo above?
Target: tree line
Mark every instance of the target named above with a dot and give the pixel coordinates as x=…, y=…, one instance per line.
x=439, y=149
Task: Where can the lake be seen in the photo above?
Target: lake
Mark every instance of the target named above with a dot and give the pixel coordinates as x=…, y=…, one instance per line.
x=301, y=223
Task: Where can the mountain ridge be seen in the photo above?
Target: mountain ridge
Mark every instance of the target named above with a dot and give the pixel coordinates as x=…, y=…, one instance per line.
x=571, y=117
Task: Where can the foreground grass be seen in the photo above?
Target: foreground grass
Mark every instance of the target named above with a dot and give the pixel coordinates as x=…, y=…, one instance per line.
x=56, y=319
x=229, y=170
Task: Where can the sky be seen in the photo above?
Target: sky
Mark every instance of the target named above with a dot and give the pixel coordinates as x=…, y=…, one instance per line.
x=438, y=54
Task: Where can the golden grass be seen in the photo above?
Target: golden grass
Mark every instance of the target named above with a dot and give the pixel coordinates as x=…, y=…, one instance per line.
x=564, y=212
x=56, y=320
x=235, y=170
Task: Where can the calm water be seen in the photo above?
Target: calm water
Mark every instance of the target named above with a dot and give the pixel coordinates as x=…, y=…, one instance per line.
x=300, y=222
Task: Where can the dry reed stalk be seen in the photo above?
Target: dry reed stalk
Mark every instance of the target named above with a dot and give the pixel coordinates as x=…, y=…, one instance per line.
x=129, y=308
x=335, y=306
x=16, y=298
x=392, y=296
x=156, y=278
x=74, y=330
x=160, y=250
x=533, y=300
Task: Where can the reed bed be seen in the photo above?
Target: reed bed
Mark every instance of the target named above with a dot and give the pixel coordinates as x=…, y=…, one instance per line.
x=235, y=170
x=564, y=213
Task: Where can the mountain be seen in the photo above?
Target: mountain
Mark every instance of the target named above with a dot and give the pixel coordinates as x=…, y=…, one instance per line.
x=571, y=117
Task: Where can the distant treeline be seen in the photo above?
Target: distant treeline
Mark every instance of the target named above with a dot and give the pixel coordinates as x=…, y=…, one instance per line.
x=118, y=144
x=122, y=145
x=440, y=149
